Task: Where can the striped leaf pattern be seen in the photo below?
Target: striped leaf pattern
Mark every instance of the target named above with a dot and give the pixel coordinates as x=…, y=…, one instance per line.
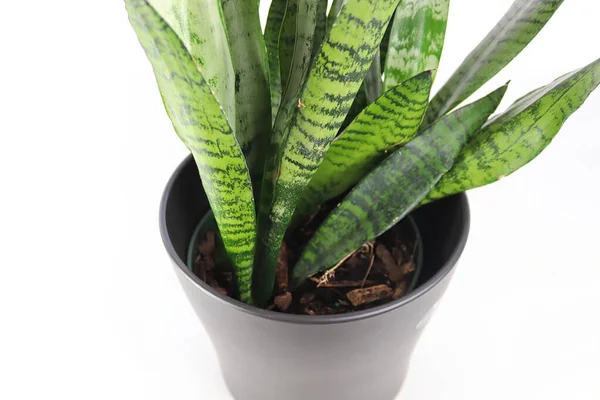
x=416, y=39
x=200, y=121
x=252, y=96
x=518, y=135
x=296, y=43
x=393, y=189
x=199, y=26
x=334, y=11
x=339, y=69
x=388, y=123
x=272, y=29
x=369, y=91
x=385, y=42
x=522, y=22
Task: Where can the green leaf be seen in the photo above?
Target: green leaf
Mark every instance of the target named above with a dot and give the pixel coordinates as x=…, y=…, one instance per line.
x=334, y=11
x=252, y=96
x=338, y=70
x=199, y=120
x=393, y=189
x=287, y=41
x=516, y=29
x=518, y=135
x=320, y=27
x=369, y=91
x=272, y=29
x=199, y=26
x=388, y=123
x=384, y=45
x=296, y=43
x=297, y=38
x=416, y=39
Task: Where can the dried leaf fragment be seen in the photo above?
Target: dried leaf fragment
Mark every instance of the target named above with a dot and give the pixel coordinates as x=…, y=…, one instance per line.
x=368, y=295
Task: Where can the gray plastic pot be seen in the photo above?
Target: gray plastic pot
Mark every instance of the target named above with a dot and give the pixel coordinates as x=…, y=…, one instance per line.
x=265, y=355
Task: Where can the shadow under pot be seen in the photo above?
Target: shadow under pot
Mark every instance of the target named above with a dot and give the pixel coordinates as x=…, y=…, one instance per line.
x=268, y=355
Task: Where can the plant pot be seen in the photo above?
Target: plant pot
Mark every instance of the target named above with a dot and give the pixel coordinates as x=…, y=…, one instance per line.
x=265, y=355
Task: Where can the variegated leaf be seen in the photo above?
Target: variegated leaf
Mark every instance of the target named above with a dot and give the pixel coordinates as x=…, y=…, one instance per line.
x=199, y=119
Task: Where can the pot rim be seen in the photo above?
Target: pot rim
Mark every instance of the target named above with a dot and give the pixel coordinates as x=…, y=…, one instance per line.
x=306, y=319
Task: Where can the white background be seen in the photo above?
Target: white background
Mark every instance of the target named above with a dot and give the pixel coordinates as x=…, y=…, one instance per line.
x=89, y=305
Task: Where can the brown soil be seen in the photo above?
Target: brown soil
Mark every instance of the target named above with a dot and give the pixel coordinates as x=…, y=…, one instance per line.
x=379, y=272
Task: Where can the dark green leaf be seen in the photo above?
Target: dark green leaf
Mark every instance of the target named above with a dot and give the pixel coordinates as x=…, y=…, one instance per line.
x=385, y=43
x=394, y=188
x=518, y=135
x=339, y=69
x=320, y=27
x=416, y=39
x=516, y=29
x=198, y=119
x=334, y=11
x=252, y=96
x=287, y=41
x=295, y=50
x=391, y=121
x=272, y=30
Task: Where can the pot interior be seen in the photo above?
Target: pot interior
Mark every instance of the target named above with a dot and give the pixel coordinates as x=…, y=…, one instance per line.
x=443, y=225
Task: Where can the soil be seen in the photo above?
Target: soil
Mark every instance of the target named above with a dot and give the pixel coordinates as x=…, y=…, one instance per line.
x=379, y=272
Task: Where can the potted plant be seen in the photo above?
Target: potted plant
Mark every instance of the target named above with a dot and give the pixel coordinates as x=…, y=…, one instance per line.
x=319, y=218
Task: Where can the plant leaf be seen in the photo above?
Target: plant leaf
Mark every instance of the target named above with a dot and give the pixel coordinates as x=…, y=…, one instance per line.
x=338, y=70
x=522, y=22
x=296, y=43
x=385, y=43
x=272, y=29
x=287, y=41
x=518, y=135
x=199, y=120
x=388, y=123
x=199, y=26
x=252, y=96
x=369, y=91
x=320, y=27
x=394, y=188
x=334, y=11
x=303, y=18
x=416, y=39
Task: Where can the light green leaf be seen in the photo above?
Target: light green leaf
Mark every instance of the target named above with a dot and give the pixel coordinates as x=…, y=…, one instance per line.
x=389, y=192
x=416, y=39
x=518, y=135
x=272, y=30
x=388, y=123
x=339, y=69
x=252, y=96
x=199, y=120
x=296, y=43
x=510, y=36
x=199, y=25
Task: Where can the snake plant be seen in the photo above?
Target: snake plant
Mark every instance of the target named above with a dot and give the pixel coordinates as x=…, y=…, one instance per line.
x=334, y=103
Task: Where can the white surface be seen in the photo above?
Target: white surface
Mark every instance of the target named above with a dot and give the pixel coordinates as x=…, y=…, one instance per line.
x=90, y=309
